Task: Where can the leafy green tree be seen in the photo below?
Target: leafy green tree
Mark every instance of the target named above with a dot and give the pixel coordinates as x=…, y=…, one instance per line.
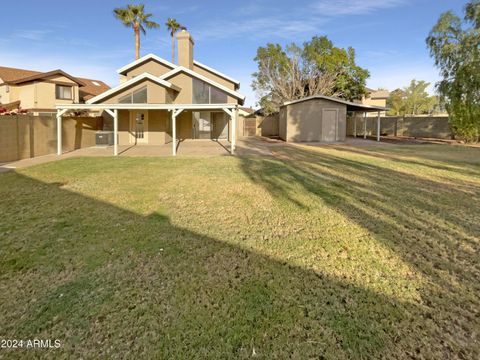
x=294, y=72
x=413, y=100
x=134, y=16
x=173, y=26
x=455, y=46
x=416, y=99
x=350, y=78
x=396, y=103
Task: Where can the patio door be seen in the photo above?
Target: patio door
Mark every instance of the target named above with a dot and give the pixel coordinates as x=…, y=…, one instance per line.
x=138, y=127
x=220, y=125
x=202, y=125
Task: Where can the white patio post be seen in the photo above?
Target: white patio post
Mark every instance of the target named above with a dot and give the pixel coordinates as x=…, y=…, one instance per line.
x=378, y=126
x=354, y=124
x=175, y=113
x=234, y=131
x=114, y=114
x=115, y=132
x=59, y=130
x=364, y=124
x=174, y=133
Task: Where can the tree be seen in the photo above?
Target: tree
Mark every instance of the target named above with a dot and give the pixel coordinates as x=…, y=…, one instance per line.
x=351, y=79
x=396, y=102
x=134, y=16
x=316, y=68
x=454, y=44
x=173, y=26
x=416, y=99
x=413, y=100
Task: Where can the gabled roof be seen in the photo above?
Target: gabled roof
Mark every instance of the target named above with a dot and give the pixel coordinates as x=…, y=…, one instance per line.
x=19, y=76
x=92, y=88
x=144, y=59
x=131, y=82
x=351, y=106
x=179, y=69
x=8, y=74
x=216, y=72
x=48, y=74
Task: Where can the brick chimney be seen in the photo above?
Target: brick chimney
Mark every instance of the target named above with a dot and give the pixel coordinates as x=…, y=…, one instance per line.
x=185, y=49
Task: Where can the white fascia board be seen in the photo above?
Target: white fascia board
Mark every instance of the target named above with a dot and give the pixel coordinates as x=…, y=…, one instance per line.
x=203, y=78
x=216, y=72
x=145, y=106
x=130, y=82
x=145, y=58
x=340, y=101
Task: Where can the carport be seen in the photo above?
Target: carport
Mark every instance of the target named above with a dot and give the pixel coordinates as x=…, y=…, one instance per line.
x=364, y=109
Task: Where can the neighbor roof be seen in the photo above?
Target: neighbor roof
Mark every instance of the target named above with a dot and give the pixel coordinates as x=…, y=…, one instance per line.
x=131, y=82
x=92, y=88
x=88, y=87
x=18, y=76
x=179, y=69
x=379, y=94
x=351, y=106
x=8, y=74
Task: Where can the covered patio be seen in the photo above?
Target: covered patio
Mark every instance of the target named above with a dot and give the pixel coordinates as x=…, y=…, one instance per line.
x=174, y=110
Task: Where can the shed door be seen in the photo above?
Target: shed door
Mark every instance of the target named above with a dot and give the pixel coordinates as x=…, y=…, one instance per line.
x=330, y=125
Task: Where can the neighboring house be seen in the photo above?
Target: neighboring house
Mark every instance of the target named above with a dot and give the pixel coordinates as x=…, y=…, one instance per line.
x=39, y=92
x=376, y=98
x=158, y=102
x=320, y=119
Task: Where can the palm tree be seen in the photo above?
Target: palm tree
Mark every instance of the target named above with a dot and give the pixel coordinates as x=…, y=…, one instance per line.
x=173, y=26
x=134, y=16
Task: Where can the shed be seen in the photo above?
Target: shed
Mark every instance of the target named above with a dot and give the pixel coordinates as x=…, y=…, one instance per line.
x=318, y=118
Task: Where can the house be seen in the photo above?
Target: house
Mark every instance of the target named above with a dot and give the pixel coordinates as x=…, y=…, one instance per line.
x=376, y=98
x=320, y=119
x=39, y=92
x=158, y=102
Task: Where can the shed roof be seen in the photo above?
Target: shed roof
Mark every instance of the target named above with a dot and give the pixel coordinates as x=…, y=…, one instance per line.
x=351, y=106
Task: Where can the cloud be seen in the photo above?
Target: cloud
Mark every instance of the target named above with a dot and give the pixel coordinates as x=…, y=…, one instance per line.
x=35, y=35
x=353, y=7
x=263, y=27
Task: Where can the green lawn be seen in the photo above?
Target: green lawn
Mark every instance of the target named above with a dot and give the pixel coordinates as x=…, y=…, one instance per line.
x=329, y=252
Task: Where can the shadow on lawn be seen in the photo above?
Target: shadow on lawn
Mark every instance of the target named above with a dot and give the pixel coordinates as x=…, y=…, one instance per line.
x=111, y=283
x=433, y=226
x=469, y=168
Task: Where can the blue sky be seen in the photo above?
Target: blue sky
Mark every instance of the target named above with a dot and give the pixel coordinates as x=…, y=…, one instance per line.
x=84, y=39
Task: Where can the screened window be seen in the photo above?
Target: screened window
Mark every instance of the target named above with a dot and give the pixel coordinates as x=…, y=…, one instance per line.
x=63, y=92
x=204, y=93
x=136, y=97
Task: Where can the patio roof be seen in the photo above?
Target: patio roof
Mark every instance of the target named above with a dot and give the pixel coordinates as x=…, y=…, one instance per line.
x=174, y=109
x=351, y=106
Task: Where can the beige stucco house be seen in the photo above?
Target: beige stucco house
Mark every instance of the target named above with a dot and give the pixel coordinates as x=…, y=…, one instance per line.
x=158, y=102
x=39, y=92
x=376, y=98
x=320, y=119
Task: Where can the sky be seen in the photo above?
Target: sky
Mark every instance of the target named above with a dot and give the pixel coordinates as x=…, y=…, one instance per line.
x=84, y=39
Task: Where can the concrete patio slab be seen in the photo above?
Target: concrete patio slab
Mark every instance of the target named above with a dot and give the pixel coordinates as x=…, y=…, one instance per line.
x=245, y=147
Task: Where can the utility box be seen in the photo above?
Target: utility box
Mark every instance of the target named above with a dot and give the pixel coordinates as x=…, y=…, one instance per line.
x=104, y=138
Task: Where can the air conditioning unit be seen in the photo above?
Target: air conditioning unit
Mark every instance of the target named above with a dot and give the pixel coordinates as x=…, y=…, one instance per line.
x=104, y=138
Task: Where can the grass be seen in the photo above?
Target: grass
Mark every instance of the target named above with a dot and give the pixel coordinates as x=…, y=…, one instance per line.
x=327, y=252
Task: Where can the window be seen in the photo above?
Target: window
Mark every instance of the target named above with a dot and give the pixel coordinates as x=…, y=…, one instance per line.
x=204, y=93
x=63, y=92
x=7, y=88
x=136, y=97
